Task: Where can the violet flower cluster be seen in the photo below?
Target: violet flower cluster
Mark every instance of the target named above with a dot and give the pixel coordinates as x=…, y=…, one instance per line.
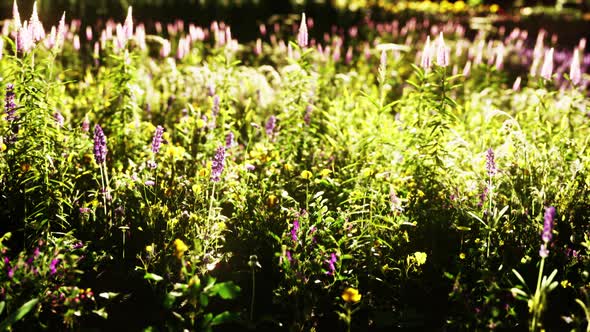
x=10, y=105
x=218, y=164
x=100, y=145
x=547, y=235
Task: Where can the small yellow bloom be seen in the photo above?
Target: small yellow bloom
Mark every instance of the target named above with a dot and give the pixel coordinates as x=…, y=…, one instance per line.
x=25, y=167
x=179, y=248
x=420, y=257
x=287, y=167
x=351, y=295
x=306, y=175
x=566, y=283
x=149, y=249
x=272, y=200
x=494, y=8
x=462, y=255
x=325, y=172
x=2, y=147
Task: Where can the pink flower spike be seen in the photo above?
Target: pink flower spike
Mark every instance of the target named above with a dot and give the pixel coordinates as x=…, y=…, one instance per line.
x=61, y=31
x=16, y=16
x=516, y=85
x=128, y=26
x=575, y=71
x=302, y=36
x=547, y=69
x=442, y=52
x=37, y=31
x=426, y=60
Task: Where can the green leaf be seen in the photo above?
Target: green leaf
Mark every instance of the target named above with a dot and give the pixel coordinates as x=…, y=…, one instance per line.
x=152, y=276
x=18, y=314
x=102, y=313
x=2, y=305
x=223, y=317
x=225, y=290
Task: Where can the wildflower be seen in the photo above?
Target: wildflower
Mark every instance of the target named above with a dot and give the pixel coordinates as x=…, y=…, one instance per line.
x=272, y=200
x=215, y=108
x=100, y=145
x=53, y=266
x=157, y=140
x=61, y=31
x=442, y=52
x=548, y=224
x=24, y=39
x=229, y=140
x=426, y=61
x=516, y=85
x=547, y=68
x=302, y=36
x=270, y=125
x=16, y=15
x=294, y=230
x=85, y=124
x=218, y=164
x=491, y=163
x=306, y=175
x=543, y=252
x=10, y=105
x=36, y=28
x=166, y=49
x=332, y=268
x=128, y=25
x=84, y=210
x=179, y=248
x=575, y=71
x=59, y=119
x=467, y=69
x=351, y=295
x=420, y=258
x=150, y=183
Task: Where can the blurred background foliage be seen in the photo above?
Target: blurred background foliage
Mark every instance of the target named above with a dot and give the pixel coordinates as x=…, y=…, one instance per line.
x=254, y=9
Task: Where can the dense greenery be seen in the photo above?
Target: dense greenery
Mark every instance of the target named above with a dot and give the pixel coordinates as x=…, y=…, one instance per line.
x=375, y=178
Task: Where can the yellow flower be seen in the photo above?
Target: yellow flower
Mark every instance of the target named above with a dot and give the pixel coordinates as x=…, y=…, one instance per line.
x=494, y=8
x=179, y=248
x=420, y=257
x=325, y=172
x=351, y=295
x=566, y=283
x=2, y=147
x=149, y=249
x=272, y=200
x=306, y=175
x=462, y=255
x=288, y=167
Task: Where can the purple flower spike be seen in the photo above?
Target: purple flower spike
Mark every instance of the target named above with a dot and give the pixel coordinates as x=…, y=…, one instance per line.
x=302, y=36
x=294, y=230
x=100, y=145
x=53, y=266
x=157, y=140
x=218, y=164
x=548, y=224
x=491, y=163
x=10, y=105
x=215, y=109
x=229, y=140
x=331, y=264
x=270, y=125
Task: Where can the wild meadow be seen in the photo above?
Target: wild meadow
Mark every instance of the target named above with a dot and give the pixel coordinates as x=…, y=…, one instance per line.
x=399, y=175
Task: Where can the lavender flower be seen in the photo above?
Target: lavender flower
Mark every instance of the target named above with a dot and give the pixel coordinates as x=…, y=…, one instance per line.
x=270, y=125
x=426, y=61
x=10, y=105
x=218, y=164
x=215, y=109
x=331, y=264
x=294, y=230
x=53, y=266
x=229, y=140
x=150, y=183
x=516, y=85
x=302, y=36
x=100, y=145
x=547, y=69
x=157, y=140
x=575, y=71
x=85, y=125
x=491, y=163
x=548, y=224
x=442, y=52
x=59, y=119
